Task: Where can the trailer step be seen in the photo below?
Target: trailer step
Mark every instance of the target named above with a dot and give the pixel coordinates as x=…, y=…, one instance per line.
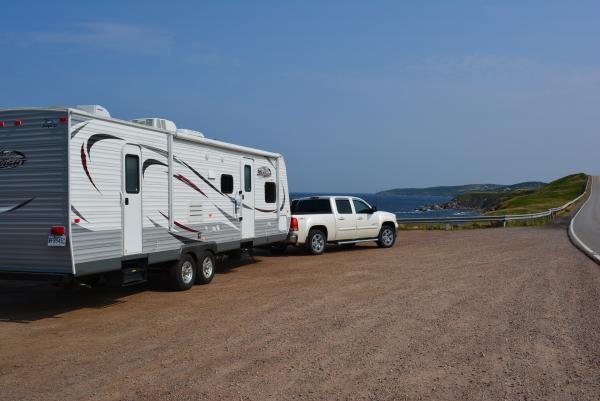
x=134, y=275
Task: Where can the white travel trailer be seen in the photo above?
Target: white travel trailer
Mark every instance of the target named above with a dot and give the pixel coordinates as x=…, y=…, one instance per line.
x=83, y=195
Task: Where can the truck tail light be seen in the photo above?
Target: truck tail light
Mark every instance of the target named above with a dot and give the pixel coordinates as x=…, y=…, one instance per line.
x=57, y=230
x=294, y=224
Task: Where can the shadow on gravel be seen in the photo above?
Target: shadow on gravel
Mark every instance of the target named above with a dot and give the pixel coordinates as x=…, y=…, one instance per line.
x=27, y=302
x=300, y=251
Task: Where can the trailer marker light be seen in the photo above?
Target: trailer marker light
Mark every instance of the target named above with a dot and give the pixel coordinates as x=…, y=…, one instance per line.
x=62, y=120
x=58, y=231
x=77, y=221
x=18, y=123
x=294, y=224
x=1, y=123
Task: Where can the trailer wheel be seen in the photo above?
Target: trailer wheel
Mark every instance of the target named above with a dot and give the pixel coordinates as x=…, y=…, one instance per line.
x=206, y=268
x=315, y=242
x=387, y=237
x=183, y=273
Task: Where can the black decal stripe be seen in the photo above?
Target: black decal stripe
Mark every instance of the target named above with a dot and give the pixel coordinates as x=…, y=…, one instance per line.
x=161, y=152
x=205, y=180
x=229, y=217
x=155, y=223
x=283, y=203
x=189, y=183
x=76, y=131
x=97, y=138
x=85, y=167
x=78, y=214
x=20, y=205
x=152, y=162
x=271, y=162
x=184, y=240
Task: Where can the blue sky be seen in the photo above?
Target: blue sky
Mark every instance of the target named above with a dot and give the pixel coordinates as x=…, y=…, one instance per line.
x=358, y=96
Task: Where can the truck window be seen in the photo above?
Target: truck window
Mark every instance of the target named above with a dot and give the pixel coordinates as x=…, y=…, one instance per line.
x=311, y=206
x=360, y=206
x=343, y=206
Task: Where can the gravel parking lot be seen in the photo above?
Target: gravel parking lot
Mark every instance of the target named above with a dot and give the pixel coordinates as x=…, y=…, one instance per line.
x=476, y=314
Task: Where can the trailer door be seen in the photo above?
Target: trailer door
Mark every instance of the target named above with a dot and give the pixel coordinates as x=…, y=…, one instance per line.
x=131, y=200
x=247, y=194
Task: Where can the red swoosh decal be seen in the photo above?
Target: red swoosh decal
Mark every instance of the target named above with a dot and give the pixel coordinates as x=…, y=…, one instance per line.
x=189, y=183
x=183, y=227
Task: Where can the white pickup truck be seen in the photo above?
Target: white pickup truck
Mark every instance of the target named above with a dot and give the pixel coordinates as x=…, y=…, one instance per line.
x=343, y=220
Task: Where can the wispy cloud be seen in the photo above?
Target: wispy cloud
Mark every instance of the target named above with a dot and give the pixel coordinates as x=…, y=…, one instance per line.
x=113, y=36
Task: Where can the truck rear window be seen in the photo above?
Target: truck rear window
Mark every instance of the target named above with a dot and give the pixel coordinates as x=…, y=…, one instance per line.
x=311, y=206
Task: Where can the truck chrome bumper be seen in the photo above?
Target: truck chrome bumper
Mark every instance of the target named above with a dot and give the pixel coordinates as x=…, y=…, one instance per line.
x=292, y=238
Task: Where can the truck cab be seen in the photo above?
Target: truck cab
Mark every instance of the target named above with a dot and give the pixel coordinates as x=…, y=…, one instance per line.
x=343, y=220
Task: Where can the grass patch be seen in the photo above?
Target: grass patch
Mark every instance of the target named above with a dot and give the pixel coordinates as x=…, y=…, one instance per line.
x=554, y=194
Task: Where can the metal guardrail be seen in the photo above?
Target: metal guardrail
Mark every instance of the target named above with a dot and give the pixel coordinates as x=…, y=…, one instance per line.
x=502, y=219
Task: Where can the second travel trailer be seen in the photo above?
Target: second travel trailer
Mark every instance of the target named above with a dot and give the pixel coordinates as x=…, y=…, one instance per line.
x=84, y=194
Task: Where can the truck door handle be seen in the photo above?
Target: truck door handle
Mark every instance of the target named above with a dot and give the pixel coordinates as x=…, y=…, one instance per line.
x=341, y=218
x=359, y=218
x=126, y=201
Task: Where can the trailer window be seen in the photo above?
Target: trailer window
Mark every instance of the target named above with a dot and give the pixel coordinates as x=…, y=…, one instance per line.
x=132, y=174
x=343, y=206
x=270, y=192
x=247, y=178
x=226, y=183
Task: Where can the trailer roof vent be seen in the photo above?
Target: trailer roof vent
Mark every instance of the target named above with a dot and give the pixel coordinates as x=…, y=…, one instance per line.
x=159, y=123
x=190, y=132
x=94, y=109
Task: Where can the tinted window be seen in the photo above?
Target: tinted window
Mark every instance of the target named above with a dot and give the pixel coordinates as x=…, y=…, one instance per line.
x=226, y=184
x=343, y=206
x=270, y=192
x=132, y=174
x=293, y=205
x=313, y=206
x=360, y=206
x=247, y=178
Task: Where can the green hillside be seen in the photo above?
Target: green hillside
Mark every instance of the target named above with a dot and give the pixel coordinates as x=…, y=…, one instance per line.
x=461, y=189
x=554, y=194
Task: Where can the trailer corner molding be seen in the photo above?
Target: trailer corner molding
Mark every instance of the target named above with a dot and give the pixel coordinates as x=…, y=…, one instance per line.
x=11, y=159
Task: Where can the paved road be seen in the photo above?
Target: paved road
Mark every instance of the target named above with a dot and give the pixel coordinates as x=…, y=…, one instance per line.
x=585, y=227
x=495, y=314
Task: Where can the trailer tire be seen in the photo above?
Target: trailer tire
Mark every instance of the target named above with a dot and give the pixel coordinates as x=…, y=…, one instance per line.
x=315, y=241
x=183, y=273
x=206, y=268
x=387, y=236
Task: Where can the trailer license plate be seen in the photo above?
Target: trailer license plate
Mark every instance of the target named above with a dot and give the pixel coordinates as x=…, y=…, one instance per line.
x=57, y=240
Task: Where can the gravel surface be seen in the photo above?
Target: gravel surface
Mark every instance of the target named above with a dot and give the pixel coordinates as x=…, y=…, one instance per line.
x=487, y=314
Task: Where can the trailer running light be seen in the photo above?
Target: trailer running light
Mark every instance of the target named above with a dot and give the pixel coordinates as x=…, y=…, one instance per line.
x=1, y=123
x=58, y=231
x=18, y=123
x=77, y=221
x=62, y=120
x=294, y=224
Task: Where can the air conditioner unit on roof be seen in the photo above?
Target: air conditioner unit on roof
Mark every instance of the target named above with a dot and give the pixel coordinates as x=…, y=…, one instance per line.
x=159, y=123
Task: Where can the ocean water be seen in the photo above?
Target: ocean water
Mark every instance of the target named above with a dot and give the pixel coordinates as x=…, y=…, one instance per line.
x=403, y=206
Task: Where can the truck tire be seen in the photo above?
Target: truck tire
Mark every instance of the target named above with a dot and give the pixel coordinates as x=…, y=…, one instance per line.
x=206, y=268
x=183, y=273
x=387, y=236
x=315, y=241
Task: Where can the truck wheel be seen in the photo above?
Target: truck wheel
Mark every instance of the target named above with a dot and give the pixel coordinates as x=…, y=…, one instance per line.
x=206, y=270
x=183, y=273
x=315, y=242
x=387, y=237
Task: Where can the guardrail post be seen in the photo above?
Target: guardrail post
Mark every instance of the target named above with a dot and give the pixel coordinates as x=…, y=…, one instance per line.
x=504, y=223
